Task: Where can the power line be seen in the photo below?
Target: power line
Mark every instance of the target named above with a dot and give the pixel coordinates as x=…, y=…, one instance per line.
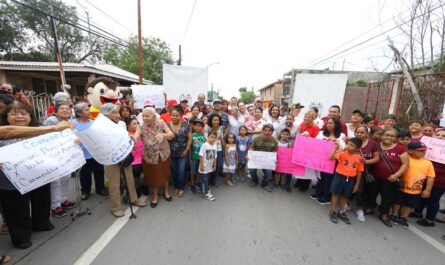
x=110, y=17
x=373, y=37
x=100, y=29
x=188, y=23
x=73, y=24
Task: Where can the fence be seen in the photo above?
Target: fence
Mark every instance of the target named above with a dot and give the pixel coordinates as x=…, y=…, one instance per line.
x=40, y=103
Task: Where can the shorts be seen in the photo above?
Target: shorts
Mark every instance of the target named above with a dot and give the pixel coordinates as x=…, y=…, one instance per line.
x=194, y=167
x=408, y=200
x=342, y=185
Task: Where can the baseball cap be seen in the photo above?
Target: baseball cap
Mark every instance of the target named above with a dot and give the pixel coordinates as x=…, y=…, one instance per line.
x=216, y=101
x=357, y=111
x=417, y=146
x=148, y=102
x=172, y=102
x=195, y=121
x=298, y=106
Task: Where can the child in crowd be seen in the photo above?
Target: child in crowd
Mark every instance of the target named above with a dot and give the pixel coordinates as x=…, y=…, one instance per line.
x=428, y=129
x=243, y=143
x=412, y=192
x=230, y=159
x=198, y=140
x=207, y=164
x=347, y=177
x=404, y=138
x=415, y=129
x=283, y=179
x=205, y=120
x=376, y=133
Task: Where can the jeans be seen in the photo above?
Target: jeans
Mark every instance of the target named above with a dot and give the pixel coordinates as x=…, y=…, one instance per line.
x=267, y=176
x=178, y=168
x=432, y=204
x=205, y=182
x=323, y=187
x=388, y=192
x=92, y=166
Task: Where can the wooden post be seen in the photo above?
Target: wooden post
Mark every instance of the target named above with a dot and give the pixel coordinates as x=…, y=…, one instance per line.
x=141, y=79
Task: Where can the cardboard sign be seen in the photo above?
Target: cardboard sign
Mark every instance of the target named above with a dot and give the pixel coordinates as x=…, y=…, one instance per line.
x=153, y=92
x=34, y=162
x=437, y=151
x=261, y=160
x=106, y=141
x=313, y=153
x=284, y=164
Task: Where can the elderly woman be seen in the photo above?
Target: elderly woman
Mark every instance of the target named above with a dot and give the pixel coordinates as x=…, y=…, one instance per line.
x=59, y=188
x=156, y=154
x=180, y=150
x=113, y=172
x=236, y=121
x=28, y=212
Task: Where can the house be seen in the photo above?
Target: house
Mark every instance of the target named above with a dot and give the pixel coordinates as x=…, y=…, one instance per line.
x=43, y=78
x=272, y=93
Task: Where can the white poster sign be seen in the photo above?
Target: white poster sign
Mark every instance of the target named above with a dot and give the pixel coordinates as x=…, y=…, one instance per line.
x=106, y=141
x=320, y=90
x=262, y=160
x=153, y=92
x=185, y=82
x=34, y=162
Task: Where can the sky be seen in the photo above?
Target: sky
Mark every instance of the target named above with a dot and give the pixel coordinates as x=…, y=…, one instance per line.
x=249, y=43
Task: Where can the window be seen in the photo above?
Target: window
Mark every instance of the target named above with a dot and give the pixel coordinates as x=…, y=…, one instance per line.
x=38, y=85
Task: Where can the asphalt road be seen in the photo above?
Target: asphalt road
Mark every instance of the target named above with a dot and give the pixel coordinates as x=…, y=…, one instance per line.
x=243, y=226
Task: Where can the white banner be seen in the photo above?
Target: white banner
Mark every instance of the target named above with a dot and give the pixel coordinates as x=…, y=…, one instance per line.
x=320, y=90
x=34, y=162
x=262, y=160
x=106, y=141
x=185, y=82
x=153, y=92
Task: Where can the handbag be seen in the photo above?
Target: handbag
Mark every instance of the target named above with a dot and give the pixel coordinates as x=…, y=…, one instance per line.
x=369, y=178
x=397, y=183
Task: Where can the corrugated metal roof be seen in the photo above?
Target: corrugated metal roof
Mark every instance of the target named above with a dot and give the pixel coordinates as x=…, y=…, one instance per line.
x=102, y=69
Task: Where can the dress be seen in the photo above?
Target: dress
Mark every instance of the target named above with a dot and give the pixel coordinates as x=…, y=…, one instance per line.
x=156, y=156
x=231, y=156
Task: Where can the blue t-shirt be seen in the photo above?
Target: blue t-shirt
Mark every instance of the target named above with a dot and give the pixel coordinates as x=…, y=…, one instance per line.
x=243, y=146
x=80, y=126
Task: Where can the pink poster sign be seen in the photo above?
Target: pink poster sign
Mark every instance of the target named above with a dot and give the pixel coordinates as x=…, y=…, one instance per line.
x=436, y=152
x=284, y=165
x=313, y=153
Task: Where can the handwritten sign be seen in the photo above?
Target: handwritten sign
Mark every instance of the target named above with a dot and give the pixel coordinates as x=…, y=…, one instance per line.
x=153, y=92
x=313, y=153
x=34, y=162
x=284, y=165
x=106, y=141
x=437, y=151
x=261, y=160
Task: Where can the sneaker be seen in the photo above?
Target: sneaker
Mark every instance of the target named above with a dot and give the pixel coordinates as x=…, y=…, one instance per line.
x=394, y=219
x=68, y=205
x=322, y=201
x=348, y=207
x=333, y=217
x=84, y=196
x=344, y=217
x=139, y=203
x=404, y=222
x=193, y=189
x=360, y=216
x=386, y=221
x=209, y=196
x=59, y=212
x=425, y=222
x=267, y=188
x=314, y=196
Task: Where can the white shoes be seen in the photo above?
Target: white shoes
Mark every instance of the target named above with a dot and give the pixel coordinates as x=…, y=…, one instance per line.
x=360, y=215
x=209, y=196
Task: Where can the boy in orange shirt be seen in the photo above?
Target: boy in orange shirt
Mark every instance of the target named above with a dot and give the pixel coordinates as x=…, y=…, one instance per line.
x=346, y=178
x=411, y=193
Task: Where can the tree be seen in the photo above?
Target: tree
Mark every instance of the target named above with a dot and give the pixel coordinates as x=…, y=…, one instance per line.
x=155, y=53
x=26, y=34
x=246, y=96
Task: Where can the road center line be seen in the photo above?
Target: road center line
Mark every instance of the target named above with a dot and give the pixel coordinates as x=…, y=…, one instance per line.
x=427, y=238
x=94, y=250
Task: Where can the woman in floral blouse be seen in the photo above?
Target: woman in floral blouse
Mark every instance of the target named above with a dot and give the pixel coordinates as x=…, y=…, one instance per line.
x=180, y=150
x=156, y=153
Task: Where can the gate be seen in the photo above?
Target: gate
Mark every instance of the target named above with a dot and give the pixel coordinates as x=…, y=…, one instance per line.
x=40, y=103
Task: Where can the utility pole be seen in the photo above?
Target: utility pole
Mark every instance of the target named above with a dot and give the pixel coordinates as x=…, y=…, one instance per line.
x=57, y=52
x=408, y=77
x=180, y=56
x=141, y=80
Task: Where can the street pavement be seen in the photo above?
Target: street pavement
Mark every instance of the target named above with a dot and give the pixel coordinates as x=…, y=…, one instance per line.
x=243, y=226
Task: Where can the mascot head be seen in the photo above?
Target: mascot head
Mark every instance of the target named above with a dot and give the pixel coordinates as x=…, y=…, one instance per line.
x=102, y=90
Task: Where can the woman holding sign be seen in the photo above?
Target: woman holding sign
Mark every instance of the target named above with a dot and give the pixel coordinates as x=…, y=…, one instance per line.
x=22, y=220
x=156, y=154
x=113, y=172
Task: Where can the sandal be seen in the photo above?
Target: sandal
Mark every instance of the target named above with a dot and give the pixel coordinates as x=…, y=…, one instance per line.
x=180, y=193
x=5, y=259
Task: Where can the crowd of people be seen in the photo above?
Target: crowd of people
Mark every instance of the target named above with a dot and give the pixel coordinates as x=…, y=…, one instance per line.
x=191, y=148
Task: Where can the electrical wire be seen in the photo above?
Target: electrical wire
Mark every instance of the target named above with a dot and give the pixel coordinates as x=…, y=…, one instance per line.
x=188, y=23
x=110, y=17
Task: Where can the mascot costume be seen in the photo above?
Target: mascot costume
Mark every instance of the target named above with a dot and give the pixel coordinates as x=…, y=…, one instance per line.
x=100, y=91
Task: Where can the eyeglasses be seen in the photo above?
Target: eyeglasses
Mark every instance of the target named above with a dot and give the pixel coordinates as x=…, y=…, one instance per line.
x=388, y=136
x=16, y=114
